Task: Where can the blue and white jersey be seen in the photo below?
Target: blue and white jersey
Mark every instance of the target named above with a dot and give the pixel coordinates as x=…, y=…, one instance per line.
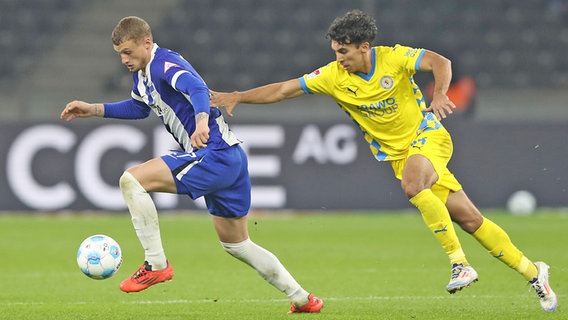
x=175, y=92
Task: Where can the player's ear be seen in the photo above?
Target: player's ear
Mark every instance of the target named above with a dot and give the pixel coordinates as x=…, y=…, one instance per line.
x=148, y=43
x=365, y=46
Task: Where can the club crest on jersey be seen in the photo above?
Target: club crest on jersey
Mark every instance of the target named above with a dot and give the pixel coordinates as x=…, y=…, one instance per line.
x=387, y=82
x=314, y=74
x=168, y=65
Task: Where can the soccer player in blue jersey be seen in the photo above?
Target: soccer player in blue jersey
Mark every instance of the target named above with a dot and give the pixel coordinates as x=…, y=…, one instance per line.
x=211, y=162
x=374, y=85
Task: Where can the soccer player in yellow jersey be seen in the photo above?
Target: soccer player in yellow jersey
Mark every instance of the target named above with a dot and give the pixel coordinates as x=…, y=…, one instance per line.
x=375, y=86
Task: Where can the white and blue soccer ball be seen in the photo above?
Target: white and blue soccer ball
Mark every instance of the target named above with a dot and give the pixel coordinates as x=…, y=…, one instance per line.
x=99, y=257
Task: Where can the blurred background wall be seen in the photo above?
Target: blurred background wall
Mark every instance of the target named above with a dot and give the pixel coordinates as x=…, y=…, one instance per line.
x=514, y=126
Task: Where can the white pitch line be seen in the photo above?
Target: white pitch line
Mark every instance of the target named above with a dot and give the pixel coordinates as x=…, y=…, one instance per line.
x=220, y=300
x=369, y=298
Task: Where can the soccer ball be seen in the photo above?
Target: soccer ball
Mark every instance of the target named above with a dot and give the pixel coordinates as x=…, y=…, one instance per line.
x=522, y=202
x=99, y=257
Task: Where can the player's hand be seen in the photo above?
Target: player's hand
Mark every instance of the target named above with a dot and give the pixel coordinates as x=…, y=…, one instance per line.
x=441, y=105
x=81, y=109
x=227, y=100
x=201, y=134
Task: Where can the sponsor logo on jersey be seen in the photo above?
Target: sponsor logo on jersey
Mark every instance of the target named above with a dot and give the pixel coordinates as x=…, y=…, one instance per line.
x=381, y=108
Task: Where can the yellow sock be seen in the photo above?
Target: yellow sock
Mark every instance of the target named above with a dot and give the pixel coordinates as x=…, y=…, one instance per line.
x=437, y=218
x=498, y=243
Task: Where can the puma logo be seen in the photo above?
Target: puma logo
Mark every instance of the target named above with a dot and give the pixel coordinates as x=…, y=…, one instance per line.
x=353, y=91
x=444, y=229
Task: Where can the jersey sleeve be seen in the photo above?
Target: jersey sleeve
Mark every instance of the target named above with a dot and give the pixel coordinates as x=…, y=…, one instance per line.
x=191, y=85
x=318, y=81
x=126, y=109
x=409, y=58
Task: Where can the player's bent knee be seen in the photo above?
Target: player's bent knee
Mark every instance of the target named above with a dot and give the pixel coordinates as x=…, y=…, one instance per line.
x=412, y=190
x=124, y=180
x=128, y=183
x=470, y=225
x=238, y=249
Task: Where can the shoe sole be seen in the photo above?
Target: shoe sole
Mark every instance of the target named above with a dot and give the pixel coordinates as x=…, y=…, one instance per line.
x=454, y=290
x=142, y=289
x=312, y=309
x=545, y=268
x=147, y=286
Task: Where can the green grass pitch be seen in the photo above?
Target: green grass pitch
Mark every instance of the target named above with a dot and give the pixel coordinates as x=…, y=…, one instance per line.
x=363, y=264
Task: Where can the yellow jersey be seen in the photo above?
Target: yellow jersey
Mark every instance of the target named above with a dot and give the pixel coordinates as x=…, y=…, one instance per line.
x=386, y=104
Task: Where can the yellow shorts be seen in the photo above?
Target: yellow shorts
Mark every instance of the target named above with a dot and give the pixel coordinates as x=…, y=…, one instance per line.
x=437, y=146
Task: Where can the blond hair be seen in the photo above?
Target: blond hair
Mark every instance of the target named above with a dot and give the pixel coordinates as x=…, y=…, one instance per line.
x=131, y=28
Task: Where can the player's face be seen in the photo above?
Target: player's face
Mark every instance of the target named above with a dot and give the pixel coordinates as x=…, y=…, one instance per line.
x=351, y=57
x=135, y=55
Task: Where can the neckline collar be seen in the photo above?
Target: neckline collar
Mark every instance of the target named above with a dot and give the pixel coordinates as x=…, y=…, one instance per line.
x=369, y=75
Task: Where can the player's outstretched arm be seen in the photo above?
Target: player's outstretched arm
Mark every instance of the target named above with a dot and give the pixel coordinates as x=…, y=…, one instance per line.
x=269, y=93
x=81, y=109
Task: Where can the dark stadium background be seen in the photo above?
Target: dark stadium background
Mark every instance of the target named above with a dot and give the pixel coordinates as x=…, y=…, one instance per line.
x=53, y=51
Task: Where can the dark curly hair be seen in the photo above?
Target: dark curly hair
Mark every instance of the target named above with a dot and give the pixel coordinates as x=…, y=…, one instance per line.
x=355, y=27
